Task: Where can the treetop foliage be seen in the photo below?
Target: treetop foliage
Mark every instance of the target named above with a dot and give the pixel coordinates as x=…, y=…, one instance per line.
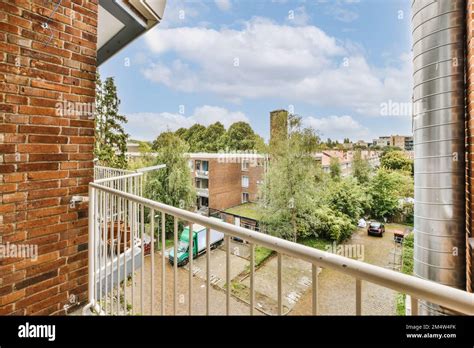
x=238, y=137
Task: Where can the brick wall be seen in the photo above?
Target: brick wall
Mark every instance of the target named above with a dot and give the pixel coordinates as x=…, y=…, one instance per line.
x=45, y=154
x=225, y=184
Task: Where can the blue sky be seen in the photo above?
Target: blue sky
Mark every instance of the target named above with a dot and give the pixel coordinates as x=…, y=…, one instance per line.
x=333, y=62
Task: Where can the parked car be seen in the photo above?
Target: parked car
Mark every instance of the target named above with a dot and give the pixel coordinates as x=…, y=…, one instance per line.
x=376, y=229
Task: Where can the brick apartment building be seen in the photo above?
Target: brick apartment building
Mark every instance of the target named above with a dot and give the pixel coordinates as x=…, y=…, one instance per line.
x=226, y=180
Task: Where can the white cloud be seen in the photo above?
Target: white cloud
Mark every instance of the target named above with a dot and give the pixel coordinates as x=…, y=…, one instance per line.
x=223, y=5
x=181, y=12
x=265, y=59
x=147, y=125
x=298, y=16
x=337, y=127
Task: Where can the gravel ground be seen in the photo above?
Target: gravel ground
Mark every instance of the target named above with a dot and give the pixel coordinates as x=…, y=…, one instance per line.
x=296, y=279
x=337, y=291
x=217, y=295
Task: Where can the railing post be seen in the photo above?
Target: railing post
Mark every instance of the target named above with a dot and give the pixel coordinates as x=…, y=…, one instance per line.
x=191, y=255
x=315, y=286
x=152, y=256
x=227, y=274
x=414, y=305
x=280, y=288
x=358, y=296
x=208, y=268
x=175, y=266
x=163, y=267
x=252, y=278
x=91, y=246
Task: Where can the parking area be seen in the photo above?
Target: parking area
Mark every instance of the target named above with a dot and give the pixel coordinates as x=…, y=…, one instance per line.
x=336, y=290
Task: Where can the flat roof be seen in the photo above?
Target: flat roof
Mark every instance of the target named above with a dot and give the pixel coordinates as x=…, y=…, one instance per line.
x=245, y=210
x=225, y=155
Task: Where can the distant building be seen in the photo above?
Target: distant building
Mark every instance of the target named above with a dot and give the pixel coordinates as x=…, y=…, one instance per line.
x=345, y=159
x=382, y=141
x=361, y=143
x=398, y=141
x=408, y=143
x=401, y=141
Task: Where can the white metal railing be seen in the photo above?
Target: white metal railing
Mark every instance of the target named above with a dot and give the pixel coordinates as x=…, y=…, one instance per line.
x=102, y=172
x=111, y=206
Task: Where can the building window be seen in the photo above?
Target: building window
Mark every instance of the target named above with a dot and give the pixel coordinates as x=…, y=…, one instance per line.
x=245, y=181
x=245, y=165
x=245, y=197
x=202, y=183
x=198, y=165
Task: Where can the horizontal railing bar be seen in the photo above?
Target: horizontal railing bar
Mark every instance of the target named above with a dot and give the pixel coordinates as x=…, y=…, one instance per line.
x=443, y=295
x=149, y=169
x=112, y=178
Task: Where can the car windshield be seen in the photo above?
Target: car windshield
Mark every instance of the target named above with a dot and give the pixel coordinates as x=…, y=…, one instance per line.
x=375, y=224
x=182, y=247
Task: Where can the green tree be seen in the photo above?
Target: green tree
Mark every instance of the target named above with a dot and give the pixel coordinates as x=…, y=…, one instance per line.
x=327, y=223
x=360, y=168
x=146, y=158
x=195, y=136
x=213, y=137
x=173, y=184
x=110, y=137
x=161, y=140
x=396, y=160
x=347, y=196
x=144, y=147
x=289, y=185
x=240, y=137
x=180, y=132
x=386, y=189
x=334, y=168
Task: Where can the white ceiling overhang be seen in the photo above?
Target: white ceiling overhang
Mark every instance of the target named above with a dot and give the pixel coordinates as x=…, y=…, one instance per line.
x=122, y=21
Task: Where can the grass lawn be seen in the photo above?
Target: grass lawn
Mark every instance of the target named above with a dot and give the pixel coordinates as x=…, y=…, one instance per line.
x=169, y=242
x=407, y=268
x=261, y=254
x=248, y=210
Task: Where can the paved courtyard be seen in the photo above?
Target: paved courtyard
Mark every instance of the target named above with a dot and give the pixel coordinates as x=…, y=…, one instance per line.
x=336, y=290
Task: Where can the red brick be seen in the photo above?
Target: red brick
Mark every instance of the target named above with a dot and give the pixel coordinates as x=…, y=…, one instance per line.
x=28, y=148
x=48, y=139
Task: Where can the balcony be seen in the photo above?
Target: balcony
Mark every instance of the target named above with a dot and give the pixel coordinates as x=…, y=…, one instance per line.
x=126, y=282
x=204, y=174
x=202, y=192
